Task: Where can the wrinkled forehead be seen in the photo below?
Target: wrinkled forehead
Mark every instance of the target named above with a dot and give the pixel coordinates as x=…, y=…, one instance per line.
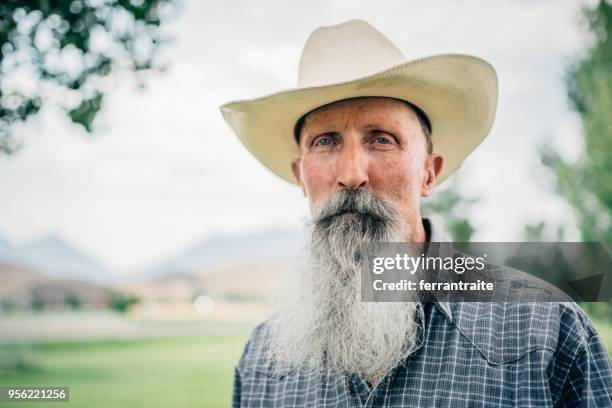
x=366, y=108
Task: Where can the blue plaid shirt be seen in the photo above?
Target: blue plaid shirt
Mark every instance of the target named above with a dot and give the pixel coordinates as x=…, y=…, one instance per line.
x=467, y=355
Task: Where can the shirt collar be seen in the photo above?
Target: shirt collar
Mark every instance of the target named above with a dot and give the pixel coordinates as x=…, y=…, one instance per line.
x=435, y=234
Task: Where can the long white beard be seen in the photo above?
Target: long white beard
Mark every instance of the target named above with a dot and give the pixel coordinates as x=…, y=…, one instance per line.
x=320, y=321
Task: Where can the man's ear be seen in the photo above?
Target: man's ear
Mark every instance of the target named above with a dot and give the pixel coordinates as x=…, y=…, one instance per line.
x=433, y=167
x=297, y=175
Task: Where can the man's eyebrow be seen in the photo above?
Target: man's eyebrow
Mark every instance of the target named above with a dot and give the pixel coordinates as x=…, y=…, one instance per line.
x=383, y=128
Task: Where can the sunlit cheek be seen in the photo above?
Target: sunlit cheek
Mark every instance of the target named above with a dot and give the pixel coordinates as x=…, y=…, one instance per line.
x=318, y=176
x=397, y=178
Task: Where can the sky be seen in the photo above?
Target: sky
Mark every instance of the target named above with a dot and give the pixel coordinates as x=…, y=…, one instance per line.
x=163, y=170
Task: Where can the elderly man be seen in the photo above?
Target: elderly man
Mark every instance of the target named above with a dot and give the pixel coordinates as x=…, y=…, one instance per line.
x=366, y=135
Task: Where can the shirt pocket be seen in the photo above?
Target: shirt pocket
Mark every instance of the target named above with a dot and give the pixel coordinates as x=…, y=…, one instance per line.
x=506, y=332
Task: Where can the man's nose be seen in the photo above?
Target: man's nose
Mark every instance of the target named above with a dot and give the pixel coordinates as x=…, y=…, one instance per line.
x=351, y=168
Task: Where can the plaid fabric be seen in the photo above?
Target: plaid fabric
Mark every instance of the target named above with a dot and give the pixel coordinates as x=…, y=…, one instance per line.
x=467, y=355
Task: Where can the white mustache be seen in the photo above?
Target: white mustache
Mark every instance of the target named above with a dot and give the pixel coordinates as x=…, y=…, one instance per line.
x=359, y=202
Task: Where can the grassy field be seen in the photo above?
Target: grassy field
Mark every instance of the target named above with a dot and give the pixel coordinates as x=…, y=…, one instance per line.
x=195, y=371
x=161, y=372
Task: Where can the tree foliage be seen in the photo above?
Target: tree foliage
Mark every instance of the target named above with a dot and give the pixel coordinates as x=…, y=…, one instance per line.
x=452, y=207
x=67, y=48
x=121, y=302
x=587, y=183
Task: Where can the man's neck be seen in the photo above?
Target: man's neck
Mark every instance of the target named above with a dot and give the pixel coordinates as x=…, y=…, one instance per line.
x=417, y=233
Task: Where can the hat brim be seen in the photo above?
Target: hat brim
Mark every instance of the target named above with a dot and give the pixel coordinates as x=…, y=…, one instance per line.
x=458, y=93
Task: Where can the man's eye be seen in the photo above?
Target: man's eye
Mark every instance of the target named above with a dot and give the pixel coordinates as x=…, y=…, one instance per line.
x=382, y=140
x=323, y=141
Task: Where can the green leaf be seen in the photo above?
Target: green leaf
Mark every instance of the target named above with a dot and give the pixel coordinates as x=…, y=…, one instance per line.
x=86, y=112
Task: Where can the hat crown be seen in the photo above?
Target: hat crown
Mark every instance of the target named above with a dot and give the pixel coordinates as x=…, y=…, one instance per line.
x=344, y=52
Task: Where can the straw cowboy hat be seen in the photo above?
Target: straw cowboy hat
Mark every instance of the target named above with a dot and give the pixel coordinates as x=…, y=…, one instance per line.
x=457, y=93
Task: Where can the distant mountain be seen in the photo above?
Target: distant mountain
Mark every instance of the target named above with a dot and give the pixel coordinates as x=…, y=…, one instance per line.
x=18, y=279
x=54, y=257
x=11, y=254
x=21, y=288
x=247, y=282
x=4, y=244
x=221, y=251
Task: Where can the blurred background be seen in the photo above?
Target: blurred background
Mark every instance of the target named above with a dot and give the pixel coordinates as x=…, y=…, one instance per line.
x=140, y=242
